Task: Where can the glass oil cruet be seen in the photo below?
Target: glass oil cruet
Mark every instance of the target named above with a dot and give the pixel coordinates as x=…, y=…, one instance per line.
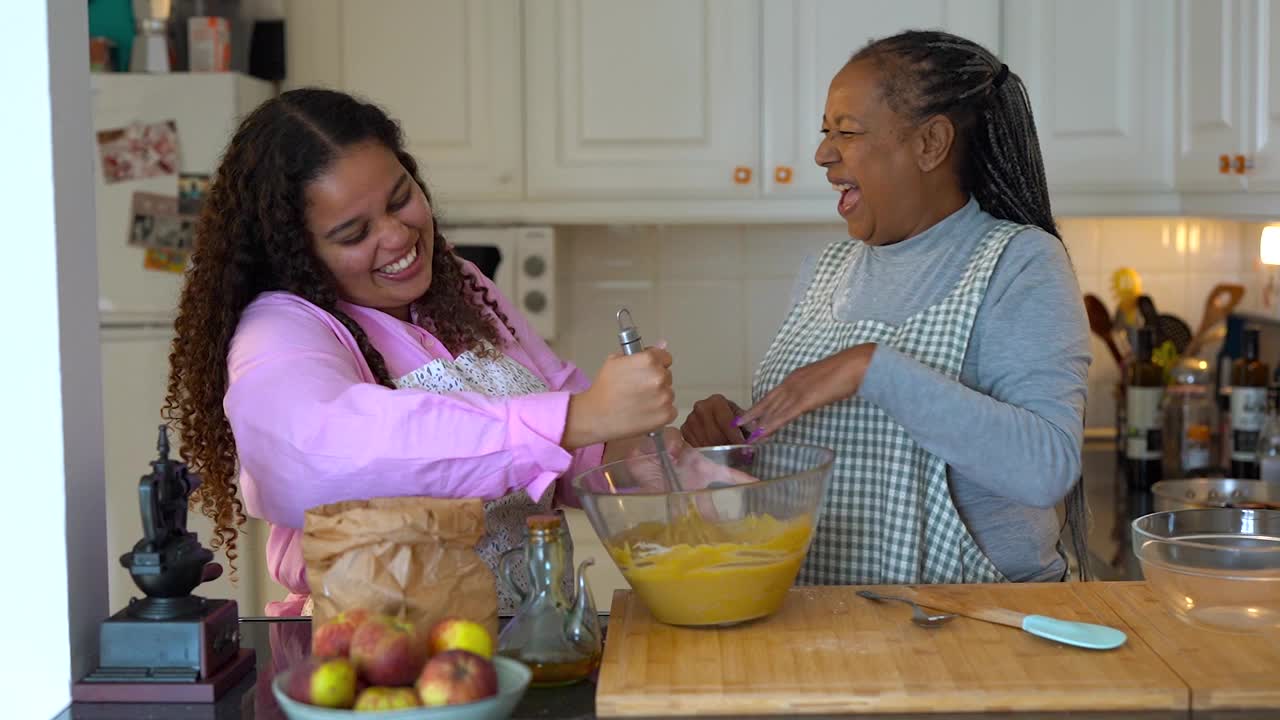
x=555, y=631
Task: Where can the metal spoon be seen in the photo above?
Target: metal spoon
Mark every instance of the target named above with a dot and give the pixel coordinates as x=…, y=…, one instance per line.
x=918, y=616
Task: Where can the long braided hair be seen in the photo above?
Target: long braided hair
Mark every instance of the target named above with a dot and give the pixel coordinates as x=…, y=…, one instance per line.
x=252, y=237
x=928, y=73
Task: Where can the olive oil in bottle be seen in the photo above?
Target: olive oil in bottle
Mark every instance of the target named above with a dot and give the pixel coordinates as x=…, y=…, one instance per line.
x=1249, y=377
x=1143, y=417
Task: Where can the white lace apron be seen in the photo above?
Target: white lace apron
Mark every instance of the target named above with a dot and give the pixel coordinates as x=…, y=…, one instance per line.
x=504, y=517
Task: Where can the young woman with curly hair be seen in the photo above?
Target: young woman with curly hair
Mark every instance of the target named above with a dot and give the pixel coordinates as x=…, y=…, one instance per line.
x=330, y=346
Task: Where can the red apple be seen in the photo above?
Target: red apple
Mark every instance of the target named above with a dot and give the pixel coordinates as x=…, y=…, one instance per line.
x=457, y=634
x=327, y=682
x=333, y=639
x=387, y=698
x=387, y=651
x=456, y=676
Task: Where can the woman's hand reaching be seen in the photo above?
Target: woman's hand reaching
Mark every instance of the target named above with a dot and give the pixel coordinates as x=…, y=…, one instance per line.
x=811, y=387
x=712, y=423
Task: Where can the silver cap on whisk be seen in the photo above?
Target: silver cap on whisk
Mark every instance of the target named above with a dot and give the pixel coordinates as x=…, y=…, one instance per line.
x=628, y=335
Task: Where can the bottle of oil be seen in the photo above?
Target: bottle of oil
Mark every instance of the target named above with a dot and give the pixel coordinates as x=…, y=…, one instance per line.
x=555, y=631
x=1249, y=377
x=1144, y=420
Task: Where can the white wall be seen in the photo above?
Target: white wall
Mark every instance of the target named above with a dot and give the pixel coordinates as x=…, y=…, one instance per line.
x=51, y=427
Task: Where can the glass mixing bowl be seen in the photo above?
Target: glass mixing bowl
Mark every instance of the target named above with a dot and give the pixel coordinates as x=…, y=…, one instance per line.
x=1214, y=567
x=725, y=549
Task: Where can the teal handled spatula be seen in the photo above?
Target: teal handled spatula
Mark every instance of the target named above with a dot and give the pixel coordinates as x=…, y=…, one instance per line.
x=1069, y=632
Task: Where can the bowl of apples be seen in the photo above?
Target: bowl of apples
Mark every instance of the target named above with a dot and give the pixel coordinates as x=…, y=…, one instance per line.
x=369, y=665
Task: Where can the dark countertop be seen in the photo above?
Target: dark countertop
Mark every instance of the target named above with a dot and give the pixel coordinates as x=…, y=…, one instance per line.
x=281, y=642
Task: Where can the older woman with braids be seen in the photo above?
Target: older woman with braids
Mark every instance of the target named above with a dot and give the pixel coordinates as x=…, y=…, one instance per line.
x=942, y=349
x=330, y=346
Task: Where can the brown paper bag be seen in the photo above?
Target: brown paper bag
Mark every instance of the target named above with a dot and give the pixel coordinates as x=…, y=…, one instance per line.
x=409, y=557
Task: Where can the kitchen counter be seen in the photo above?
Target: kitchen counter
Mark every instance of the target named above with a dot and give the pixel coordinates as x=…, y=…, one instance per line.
x=282, y=642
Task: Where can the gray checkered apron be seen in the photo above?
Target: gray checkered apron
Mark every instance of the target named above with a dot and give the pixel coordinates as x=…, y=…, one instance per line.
x=888, y=518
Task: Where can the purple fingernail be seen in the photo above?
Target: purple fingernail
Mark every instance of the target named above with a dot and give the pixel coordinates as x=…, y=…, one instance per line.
x=737, y=422
x=755, y=435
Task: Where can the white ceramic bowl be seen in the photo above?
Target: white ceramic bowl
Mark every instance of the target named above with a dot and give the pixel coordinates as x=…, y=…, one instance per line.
x=513, y=681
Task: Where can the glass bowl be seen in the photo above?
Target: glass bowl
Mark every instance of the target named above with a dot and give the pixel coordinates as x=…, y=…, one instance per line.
x=726, y=548
x=1214, y=567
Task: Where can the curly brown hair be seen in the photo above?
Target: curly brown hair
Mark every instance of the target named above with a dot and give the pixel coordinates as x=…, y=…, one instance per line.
x=251, y=238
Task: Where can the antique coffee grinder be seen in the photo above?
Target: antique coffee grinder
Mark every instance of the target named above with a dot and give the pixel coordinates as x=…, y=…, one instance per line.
x=170, y=646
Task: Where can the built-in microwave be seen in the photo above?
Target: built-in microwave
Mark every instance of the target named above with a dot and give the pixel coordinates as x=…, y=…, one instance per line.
x=521, y=262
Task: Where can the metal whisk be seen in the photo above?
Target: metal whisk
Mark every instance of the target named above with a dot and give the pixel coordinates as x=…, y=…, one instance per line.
x=632, y=343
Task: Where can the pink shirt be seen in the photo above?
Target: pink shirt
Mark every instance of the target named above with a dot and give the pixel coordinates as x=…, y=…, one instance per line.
x=312, y=426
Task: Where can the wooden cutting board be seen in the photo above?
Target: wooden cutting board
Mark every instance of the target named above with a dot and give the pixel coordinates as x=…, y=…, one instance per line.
x=829, y=651
x=1223, y=670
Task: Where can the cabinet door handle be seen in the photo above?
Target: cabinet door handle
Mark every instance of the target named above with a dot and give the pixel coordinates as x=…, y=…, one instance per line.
x=782, y=175
x=1224, y=164
x=1243, y=164
x=742, y=175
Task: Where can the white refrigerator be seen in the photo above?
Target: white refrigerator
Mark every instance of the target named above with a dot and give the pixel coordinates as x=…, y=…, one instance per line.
x=137, y=306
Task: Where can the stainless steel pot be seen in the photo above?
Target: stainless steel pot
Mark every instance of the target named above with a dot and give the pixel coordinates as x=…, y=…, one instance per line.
x=1215, y=492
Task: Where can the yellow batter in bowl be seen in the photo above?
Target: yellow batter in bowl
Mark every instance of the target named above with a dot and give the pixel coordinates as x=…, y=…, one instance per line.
x=742, y=573
x=729, y=546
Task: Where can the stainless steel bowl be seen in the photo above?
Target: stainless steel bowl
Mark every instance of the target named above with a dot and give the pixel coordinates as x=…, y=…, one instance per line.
x=1192, y=493
x=1214, y=567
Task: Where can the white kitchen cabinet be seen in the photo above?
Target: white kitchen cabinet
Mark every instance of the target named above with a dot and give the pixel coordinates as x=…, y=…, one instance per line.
x=807, y=41
x=1213, y=92
x=651, y=100
x=1229, y=105
x=1100, y=76
x=448, y=70
x=1264, y=28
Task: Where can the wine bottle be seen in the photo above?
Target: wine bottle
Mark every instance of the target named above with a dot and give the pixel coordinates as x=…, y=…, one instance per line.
x=1269, y=438
x=1143, y=417
x=1249, y=377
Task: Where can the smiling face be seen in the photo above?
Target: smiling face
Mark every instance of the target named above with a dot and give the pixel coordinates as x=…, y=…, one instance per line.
x=372, y=228
x=884, y=166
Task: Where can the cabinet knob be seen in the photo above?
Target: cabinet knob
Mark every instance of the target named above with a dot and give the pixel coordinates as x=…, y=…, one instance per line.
x=1224, y=164
x=782, y=175
x=1243, y=164
x=742, y=175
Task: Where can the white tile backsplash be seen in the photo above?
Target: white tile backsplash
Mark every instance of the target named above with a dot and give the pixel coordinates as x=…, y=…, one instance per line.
x=590, y=326
x=1083, y=238
x=768, y=300
x=704, y=326
x=1157, y=244
x=701, y=252
x=717, y=294
x=609, y=253
x=777, y=250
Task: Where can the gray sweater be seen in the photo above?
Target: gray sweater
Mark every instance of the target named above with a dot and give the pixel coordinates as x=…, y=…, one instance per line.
x=1011, y=429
